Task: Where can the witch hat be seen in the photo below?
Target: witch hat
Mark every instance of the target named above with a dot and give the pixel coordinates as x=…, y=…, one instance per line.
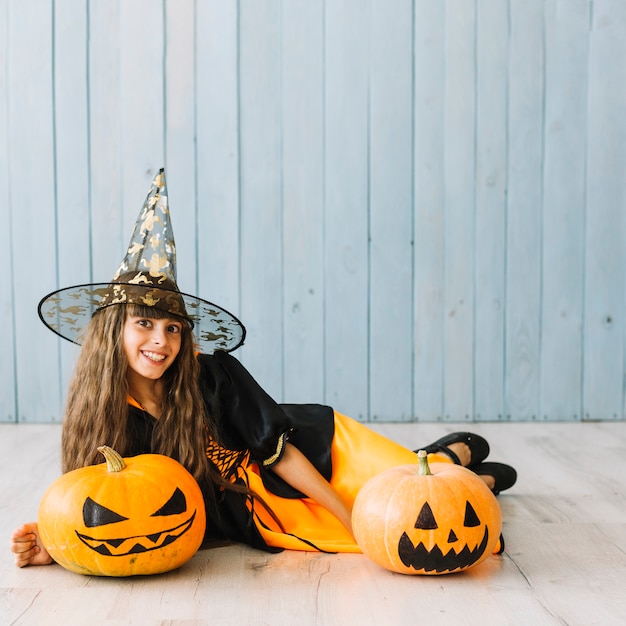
x=146, y=276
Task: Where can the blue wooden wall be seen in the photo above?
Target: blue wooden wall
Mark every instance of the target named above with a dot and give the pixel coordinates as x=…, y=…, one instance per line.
x=416, y=207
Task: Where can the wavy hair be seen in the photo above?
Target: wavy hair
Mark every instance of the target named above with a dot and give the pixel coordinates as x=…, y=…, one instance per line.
x=96, y=411
x=97, y=407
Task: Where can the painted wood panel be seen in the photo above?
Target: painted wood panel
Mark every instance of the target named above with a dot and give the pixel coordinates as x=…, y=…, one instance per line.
x=603, y=381
x=524, y=202
x=417, y=208
x=391, y=212
x=346, y=217
x=491, y=185
x=459, y=113
x=31, y=172
x=179, y=128
x=428, y=199
x=215, y=135
x=564, y=190
x=261, y=229
x=8, y=396
x=302, y=34
x=71, y=112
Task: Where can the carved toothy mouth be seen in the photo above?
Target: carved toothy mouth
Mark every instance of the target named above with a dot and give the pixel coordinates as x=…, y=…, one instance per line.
x=137, y=544
x=419, y=558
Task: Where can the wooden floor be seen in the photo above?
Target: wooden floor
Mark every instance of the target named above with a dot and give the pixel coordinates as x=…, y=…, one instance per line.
x=565, y=562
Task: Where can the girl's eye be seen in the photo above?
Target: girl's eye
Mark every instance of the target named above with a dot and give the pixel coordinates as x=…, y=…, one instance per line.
x=145, y=323
x=174, y=328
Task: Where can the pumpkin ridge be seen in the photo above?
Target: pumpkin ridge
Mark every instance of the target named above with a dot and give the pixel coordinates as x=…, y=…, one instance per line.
x=400, y=485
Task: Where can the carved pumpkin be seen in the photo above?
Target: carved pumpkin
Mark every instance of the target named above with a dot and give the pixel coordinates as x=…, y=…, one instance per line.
x=140, y=515
x=414, y=521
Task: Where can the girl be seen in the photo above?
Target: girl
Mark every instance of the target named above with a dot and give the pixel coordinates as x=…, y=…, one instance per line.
x=273, y=476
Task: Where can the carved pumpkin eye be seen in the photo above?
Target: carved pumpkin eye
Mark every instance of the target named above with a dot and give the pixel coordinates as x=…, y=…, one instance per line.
x=426, y=519
x=95, y=514
x=175, y=505
x=471, y=519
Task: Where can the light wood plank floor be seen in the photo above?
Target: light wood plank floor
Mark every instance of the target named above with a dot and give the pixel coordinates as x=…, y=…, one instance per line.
x=565, y=563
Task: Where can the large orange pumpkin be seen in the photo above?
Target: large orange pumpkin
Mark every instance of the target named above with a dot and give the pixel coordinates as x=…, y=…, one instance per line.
x=140, y=515
x=416, y=519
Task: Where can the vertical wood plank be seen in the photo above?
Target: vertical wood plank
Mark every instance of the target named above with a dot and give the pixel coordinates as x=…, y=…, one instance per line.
x=261, y=190
x=492, y=52
x=142, y=101
x=391, y=211
x=428, y=190
x=180, y=128
x=71, y=126
x=127, y=127
x=346, y=206
x=459, y=172
x=31, y=172
x=303, y=199
x=108, y=236
x=603, y=380
x=524, y=208
x=8, y=306
x=217, y=153
x=567, y=31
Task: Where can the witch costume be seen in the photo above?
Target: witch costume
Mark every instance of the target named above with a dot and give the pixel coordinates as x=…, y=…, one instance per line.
x=252, y=428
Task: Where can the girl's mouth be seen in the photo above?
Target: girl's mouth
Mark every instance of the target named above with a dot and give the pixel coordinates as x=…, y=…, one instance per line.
x=153, y=356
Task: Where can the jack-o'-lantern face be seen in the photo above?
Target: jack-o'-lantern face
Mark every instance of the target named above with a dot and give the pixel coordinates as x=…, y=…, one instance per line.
x=435, y=523
x=444, y=549
x=172, y=521
x=141, y=515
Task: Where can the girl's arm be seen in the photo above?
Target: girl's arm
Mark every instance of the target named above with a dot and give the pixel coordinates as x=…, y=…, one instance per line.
x=295, y=469
x=27, y=547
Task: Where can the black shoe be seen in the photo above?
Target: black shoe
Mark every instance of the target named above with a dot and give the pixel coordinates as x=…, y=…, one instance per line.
x=504, y=475
x=479, y=448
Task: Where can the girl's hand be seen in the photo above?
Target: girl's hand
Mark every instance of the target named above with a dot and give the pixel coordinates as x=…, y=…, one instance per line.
x=296, y=470
x=27, y=547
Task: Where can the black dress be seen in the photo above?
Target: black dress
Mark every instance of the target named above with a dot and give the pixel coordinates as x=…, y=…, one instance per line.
x=252, y=432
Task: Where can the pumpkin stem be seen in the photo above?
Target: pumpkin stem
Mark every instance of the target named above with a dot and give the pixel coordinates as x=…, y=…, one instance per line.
x=424, y=468
x=115, y=462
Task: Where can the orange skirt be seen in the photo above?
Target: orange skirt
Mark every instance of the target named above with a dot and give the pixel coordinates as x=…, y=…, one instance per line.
x=358, y=454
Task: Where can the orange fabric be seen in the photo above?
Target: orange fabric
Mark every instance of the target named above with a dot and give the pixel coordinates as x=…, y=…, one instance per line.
x=130, y=400
x=358, y=454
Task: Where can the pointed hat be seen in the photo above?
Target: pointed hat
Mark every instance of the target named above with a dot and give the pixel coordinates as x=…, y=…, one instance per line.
x=146, y=276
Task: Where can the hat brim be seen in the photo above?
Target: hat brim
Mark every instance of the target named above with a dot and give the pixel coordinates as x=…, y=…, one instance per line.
x=67, y=312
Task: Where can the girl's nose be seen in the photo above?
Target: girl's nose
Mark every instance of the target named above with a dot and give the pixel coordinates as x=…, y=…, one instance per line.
x=158, y=336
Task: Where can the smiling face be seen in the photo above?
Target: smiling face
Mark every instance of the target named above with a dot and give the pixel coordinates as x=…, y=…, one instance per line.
x=151, y=345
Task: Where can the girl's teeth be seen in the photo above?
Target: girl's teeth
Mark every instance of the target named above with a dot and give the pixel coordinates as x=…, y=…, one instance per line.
x=154, y=357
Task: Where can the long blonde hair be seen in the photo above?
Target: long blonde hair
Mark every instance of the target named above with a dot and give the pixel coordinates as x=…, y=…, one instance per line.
x=96, y=411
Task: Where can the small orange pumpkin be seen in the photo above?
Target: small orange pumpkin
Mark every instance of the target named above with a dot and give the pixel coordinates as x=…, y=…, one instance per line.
x=140, y=515
x=412, y=520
